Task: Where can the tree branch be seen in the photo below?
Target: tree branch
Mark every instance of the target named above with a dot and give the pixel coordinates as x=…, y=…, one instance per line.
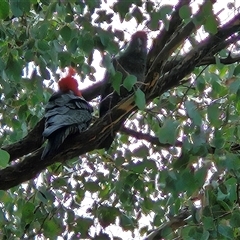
x=28, y=144
x=209, y=47
x=162, y=38
x=92, y=91
x=143, y=136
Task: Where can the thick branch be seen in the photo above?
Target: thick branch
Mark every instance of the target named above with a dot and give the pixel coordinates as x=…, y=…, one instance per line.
x=205, y=61
x=177, y=38
x=93, y=91
x=28, y=144
x=72, y=147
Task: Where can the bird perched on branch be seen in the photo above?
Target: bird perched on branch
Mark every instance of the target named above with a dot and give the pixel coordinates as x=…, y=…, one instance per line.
x=131, y=62
x=66, y=113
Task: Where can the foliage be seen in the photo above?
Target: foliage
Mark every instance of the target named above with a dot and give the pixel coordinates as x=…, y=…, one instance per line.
x=172, y=165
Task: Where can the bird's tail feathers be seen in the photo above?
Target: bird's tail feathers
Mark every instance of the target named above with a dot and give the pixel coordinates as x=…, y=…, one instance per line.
x=47, y=150
x=56, y=140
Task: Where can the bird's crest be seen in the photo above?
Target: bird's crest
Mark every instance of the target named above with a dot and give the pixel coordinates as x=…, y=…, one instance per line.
x=69, y=83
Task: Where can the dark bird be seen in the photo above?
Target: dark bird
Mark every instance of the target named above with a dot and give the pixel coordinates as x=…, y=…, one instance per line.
x=66, y=113
x=131, y=62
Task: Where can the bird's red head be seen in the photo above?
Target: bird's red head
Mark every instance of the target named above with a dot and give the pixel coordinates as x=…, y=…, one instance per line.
x=68, y=83
x=140, y=34
x=139, y=41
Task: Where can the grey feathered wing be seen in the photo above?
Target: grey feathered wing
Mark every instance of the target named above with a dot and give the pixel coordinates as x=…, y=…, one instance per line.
x=66, y=114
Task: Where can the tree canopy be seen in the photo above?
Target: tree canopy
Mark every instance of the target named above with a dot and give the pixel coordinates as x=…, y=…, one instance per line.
x=173, y=169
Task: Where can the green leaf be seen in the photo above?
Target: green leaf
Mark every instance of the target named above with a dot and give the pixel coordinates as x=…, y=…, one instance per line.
x=234, y=86
x=137, y=167
x=200, y=176
x=117, y=81
x=137, y=14
x=15, y=8
x=126, y=222
x=59, y=182
x=29, y=55
x=105, y=37
x=93, y=4
x=185, y=12
x=52, y=228
x=122, y=7
x=230, y=161
x=226, y=231
x=141, y=151
x=4, y=9
x=41, y=197
x=25, y=5
x=27, y=212
x=14, y=68
x=92, y=186
x=107, y=62
x=119, y=161
x=22, y=112
x=65, y=59
x=86, y=43
x=57, y=46
x=45, y=195
x=193, y=113
x=208, y=222
x=235, y=219
x=42, y=45
x=214, y=114
x=107, y=215
x=168, y=132
x=236, y=70
x=151, y=165
x=72, y=46
x=66, y=33
x=83, y=225
x=205, y=235
x=153, y=23
x=211, y=25
x=129, y=82
x=186, y=182
x=140, y=99
x=149, y=6
x=2, y=64
x=165, y=10
x=182, y=161
x=4, y=158
x=218, y=140
x=42, y=30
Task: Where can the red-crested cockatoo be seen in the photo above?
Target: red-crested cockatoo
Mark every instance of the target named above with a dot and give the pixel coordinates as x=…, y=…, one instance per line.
x=131, y=61
x=66, y=113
